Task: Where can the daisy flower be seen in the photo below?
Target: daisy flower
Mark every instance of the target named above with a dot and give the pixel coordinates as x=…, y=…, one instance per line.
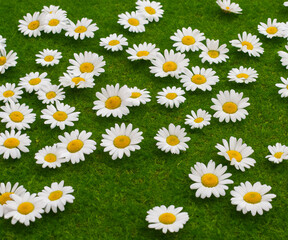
x=171, y=97
x=230, y=105
x=51, y=94
x=198, y=119
x=167, y=219
x=284, y=57
x=187, y=39
x=56, y=196
x=278, y=152
x=283, y=87
x=242, y=75
x=10, y=93
x=50, y=157
x=172, y=139
x=84, y=80
x=199, y=78
x=48, y=57
x=11, y=143
x=229, y=7
x=83, y=28
x=151, y=10
x=252, y=198
x=114, y=42
x=2, y=43
x=271, y=29
x=55, y=22
x=248, y=43
x=210, y=179
x=170, y=64
x=75, y=145
x=17, y=115
x=237, y=153
x=134, y=21
x=24, y=209
x=34, y=81
x=7, y=60
x=145, y=51
x=213, y=53
x=113, y=101
x=120, y=140
x=61, y=116
x=31, y=25
x=53, y=10
x=139, y=96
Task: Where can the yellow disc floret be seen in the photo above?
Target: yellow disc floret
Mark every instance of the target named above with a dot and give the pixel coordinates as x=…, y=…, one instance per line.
x=167, y=218
x=2, y=60
x=80, y=29
x=53, y=22
x=242, y=75
x=150, y=10
x=34, y=81
x=278, y=154
x=230, y=107
x=252, y=197
x=213, y=53
x=50, y=157
x=142, y=53
x=11, y=142
x=60, y=116
x=271, y=30
x=172, y=140
x=188, y=40
x=86, y=67
x=198, y=79
x=169, y=66
x=113, y=102
x=133, y=21
x=198, y=120
x=8, y=93
x=248, y=45
x=135, y=95
x=75, y=146
x=25, y=208
x=53, y=196
x=121, y=141
x=33, y=25
x=113, y=42
x=5, y=197
x=49, y=58
x=50, y=95
x=76, y=80
x=16, y=116
x=171, y=96
x=209, y=180
x=234, y=154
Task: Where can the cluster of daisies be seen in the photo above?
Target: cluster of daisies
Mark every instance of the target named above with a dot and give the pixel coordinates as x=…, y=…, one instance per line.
x=22, y=206
x=6, y=59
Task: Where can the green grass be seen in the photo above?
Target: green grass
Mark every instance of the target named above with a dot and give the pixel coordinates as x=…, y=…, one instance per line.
x=112, y=197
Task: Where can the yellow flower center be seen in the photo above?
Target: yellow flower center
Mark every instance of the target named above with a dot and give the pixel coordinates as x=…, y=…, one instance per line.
x=80, y=29
x=167, y=218
x=16, y=116
x=49, y=58
x=34, y=81
x=86, y=67
x=5, y=197
x=25, y=208
x=198, y=79
x=75, y=145
x=278, y=154
x=271, y=30
x=199, y=119
x=121, y=141
x=11, y=142
x=60, y=116
x=230, y=107
x=150, y=10
x=169, y=66
x=234, y=154
x=76, y=80
x=171, y=96
x=172, y=140
x=133, y=21
x=213, y=53
x=8, y=93
x=227, y=8
x=53, y=196
x=188, y=40
x=53, y=22
x=135, y=95
x=248, y=45
x=242, y=75
x=252, y=197
x=2, y=60
x=113, y=42
x=113, y=102
x=142, y=53
x=50, y=95
x=33, y=25
x=50, y=157
x=209, y=180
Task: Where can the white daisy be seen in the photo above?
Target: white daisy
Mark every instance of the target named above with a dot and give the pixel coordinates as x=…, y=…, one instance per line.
x=151, y=10
x=145, y=51
x=213, y=53
x=31, y=25
x=187, y=39
x=53, y=10
x=237, y=153
x=84, y=80
x=56, y=196
x=285, y=4
x=229, y=7
x=34, y=81
x=55, y=22
x=172, y=139
x=114, y=42
x=51, y=94
x=171, y=97
x=83, y=28
x=198, y=119
x=120, y=140
x=283, y=87
x=61, y=116
x=248, y=43
x=138, y=96
x=230, y=105
x=134, y=21
x=278, y=152
x=252, y=198
x=170, y=64
x=271, y=29
x=7, y=60
x=75, y=145
x=48, y=57
x=242, y=75
x=2, y=43
x=284, y=57
x=10, y=93
x=199, y=79
x=210, y=179
x=167, y=219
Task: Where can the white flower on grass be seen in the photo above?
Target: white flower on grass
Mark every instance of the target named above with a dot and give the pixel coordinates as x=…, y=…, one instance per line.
x=237, y=153
x=151, y=10
x=84, y=80
x=229, y=7
x=252, y=198
x=61, y=116
x=75, y=145
x=145, y=51
x=139, y=96
x=2, y=43
x=32, y=25
x=230, y=105
x=284, y=57
x=34, y=81
x=242, y=75
x=187, y=39
x=172, y=139
x=278, y=152
x=134, y=21
x=248, y=43
x=7, y=60
x=10, y=93
x=48, y=57
x=52, y=9
x=171, y=97
x=210, y=180
x=56, y=196
x=83, y=28
x=120, y=140
x=167, y=219
x=114, y=42
x=51, y=94
x=271, y=29
x=198, y=119
x=55, y=22
x=213, y=53
x=170, y=64
x=283, y=87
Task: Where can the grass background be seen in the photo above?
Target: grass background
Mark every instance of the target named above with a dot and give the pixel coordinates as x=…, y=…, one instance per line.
x=112, y=197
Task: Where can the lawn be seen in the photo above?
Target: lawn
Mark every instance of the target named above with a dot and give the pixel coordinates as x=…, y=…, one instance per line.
x=112, y=197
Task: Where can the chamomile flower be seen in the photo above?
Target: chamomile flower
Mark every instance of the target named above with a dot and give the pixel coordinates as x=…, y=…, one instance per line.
x=120, y=140
x=50, y=157
x=48, y=57
x=114, y=42
x=242, y=75
x=2, y=43
x=248, y=43
x=17, y=115
x=170, y=64
x=134, y=21
x=51, y=94
x=229, y=7
x=230, y=105
x=187, y=39
x=198, y=119
x=172, y=139
x=10, y=93
x=55, y=22
x=213, y=53
x=171, y=97
x=11, y=143
x=53, y=10
x=113, y=100
x=252, y=198
x=139, y=96
x=83, y=28
x=34, y=81
x=145, y=51
x=7, y=60
x=151, y=10
x=271, y=29
x=199, y=78
x=56, y=196
x=61, y=116
x=32, y=25
x=167, y=219
x=278, y=152
x=75, y=145
x=210, y=180
x=283, y=87
x=84, y=80
x=237, y=153
x=284, y=57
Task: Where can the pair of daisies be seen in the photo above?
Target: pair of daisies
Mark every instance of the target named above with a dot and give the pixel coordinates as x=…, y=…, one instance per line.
x=21, y=206
x=6, y=59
